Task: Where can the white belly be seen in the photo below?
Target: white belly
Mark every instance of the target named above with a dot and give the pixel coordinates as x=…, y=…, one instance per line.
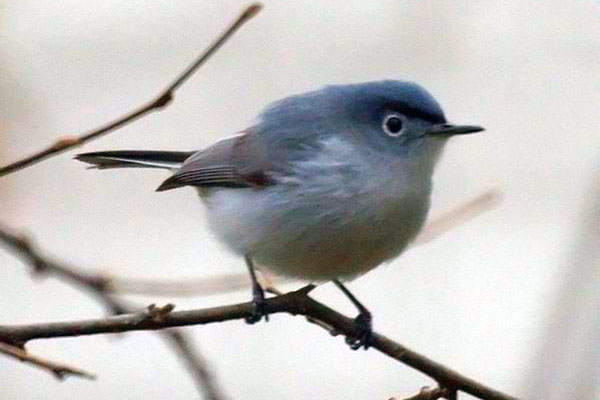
x=302, y=241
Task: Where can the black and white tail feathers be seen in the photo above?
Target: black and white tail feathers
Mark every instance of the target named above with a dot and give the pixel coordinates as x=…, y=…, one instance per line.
x=135, y=159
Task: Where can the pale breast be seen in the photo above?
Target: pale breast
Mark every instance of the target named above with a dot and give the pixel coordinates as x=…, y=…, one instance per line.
x=336, y=216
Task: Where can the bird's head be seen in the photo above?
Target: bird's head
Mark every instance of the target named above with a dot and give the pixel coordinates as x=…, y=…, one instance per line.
x=397, y=118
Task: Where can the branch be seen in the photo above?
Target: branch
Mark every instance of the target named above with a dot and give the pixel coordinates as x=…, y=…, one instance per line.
x=61, y=371
x=294, y=303
x=98, y=286
x=160, y=102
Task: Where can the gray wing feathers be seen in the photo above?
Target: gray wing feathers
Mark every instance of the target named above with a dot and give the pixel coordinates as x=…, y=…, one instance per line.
x=237, y=161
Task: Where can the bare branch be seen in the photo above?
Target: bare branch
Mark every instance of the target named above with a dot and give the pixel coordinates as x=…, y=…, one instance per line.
x=159, y=103
x=294, y=303
x=196, y=364
x=60, y=371
x=98, y=286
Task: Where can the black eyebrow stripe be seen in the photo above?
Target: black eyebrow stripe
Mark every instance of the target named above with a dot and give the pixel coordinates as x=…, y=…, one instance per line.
x=410, y=111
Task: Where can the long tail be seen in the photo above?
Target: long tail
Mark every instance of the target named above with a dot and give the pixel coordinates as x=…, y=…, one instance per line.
x=135, y=159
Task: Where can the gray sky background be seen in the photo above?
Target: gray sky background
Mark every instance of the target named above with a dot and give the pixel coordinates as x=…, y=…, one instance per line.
x=476, y=299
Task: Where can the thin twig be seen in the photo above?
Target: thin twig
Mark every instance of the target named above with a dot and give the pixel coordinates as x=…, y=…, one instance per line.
x=458, y=216
x=160, y=102
x=60, y=371
x=196, y=364
x=98, y=286
x=192, y=286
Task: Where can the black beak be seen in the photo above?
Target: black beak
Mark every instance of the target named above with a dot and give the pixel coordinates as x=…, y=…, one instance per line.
x=449, y=129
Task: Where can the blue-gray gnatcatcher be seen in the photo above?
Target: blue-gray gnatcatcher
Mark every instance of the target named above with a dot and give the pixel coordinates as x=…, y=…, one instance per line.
x=326, y=186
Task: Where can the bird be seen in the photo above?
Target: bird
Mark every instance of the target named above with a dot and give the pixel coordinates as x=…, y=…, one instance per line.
x=325, y=185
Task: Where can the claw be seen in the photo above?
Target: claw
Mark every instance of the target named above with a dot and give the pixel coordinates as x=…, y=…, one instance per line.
x=363, y=323
x=363, y=328
x=259, y=311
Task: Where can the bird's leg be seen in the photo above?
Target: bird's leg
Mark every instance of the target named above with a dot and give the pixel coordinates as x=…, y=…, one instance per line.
x=258, y=295
x=362, y=322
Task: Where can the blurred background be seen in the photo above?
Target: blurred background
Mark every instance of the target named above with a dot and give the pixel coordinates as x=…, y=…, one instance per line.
x=481, y=299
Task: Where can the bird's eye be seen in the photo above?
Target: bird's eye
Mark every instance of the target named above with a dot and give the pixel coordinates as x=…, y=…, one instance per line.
x=393, y=124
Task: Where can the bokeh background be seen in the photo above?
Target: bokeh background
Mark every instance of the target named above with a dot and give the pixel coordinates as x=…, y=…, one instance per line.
x=480, y=299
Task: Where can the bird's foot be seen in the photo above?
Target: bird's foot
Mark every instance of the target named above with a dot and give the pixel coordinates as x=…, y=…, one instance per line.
x=259, y=307
x=363, y=326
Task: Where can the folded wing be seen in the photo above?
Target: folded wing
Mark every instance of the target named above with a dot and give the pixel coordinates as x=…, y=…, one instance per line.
x=236, y=161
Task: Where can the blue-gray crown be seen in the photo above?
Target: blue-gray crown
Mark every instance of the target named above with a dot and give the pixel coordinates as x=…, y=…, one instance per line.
x=408, y=97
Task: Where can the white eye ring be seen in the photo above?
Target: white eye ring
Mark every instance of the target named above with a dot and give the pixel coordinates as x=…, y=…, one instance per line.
x=393, y=124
